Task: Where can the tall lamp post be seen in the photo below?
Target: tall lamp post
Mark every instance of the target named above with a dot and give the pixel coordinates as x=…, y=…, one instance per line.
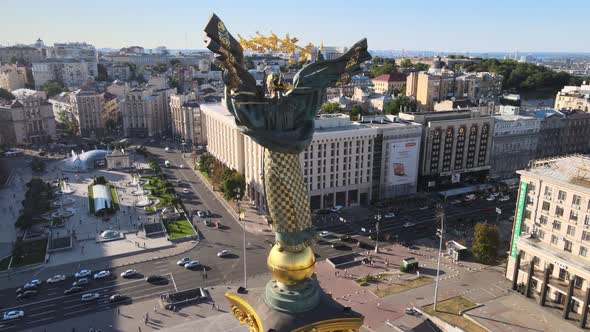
x=243, y=235
x=440, y=213
x=378, y=218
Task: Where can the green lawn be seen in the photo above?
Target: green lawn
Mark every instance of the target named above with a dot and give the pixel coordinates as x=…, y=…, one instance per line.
x=26, y=253
x=90, y=198
x=158, y=188
x=180, y=228
x=115, y=197
x=4, y=263
x=449, y=311
x=402, y=286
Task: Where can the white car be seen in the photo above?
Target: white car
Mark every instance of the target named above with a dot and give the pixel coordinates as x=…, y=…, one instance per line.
x=337, y=208
x=201, y=214
x=32, y=284
x=129, y=273
x=181, y=166
x=167, y=149
x=183, y=261
x=455, y=202
x=102, y=274
x=491, y=198
x=324, y=233
x=192, y=264
x=423, y=208
x=223, y=253
x=504, y=198
x=90, y=297
x=83, y=273
x=56, y=278
x=185, y=191
x=389, y=215
x=409, y=224
x=470, y=197
x=10, y=315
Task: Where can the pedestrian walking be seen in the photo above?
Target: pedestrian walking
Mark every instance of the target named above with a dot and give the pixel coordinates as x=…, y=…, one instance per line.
x=119, y=311
x=212, y=306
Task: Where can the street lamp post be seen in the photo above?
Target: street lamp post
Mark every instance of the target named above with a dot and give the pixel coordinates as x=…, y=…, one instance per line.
x=243, y=236
x=440, y=233
x=378, y=218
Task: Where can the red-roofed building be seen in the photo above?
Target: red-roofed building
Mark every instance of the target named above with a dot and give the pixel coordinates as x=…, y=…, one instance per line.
x=387, y=83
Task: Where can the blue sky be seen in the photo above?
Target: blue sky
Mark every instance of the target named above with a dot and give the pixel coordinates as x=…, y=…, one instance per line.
x=442, y=26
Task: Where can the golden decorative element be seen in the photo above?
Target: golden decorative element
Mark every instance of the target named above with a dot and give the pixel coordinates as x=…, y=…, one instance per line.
x=352, y=324
x=291, y=268
x=244, y=312
x=262, y=43
x=345, y=77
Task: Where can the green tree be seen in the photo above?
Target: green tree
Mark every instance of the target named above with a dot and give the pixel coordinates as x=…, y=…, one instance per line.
x=102, y=73
x=356, y=112
x=67, y=123
x=5, y=94
x=52, y=88
x=331, y=108
x=231, y=186
x=174, y=62
x=206, y=163
x=421, y=66
x=400, y=103
x=160, y=67
x=406, y=63
x=387, y=68
x=486, y=243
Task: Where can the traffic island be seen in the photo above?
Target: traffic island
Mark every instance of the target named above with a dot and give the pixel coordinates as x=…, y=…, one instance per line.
x=451, y=312
x=401, y=286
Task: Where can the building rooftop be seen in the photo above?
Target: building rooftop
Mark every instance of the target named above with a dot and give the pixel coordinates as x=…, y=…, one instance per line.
x=512, y=117
x=395, y=77
x=572, y=170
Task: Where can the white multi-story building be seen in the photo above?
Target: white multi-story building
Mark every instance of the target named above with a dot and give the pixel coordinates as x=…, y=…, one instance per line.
x=28, y=119
x=187, y=124
x=77, y=51
x=574, y=98
x=514, y=144
x=549, y=252
x=146, y=111
x=70, y=72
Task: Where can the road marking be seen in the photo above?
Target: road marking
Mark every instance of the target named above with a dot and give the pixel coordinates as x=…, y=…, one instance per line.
x=45, y=306
x=42, y=313
x=72, y=295
x=173, y=282
x=39, y=320
x=77, y=311
x=159, y=262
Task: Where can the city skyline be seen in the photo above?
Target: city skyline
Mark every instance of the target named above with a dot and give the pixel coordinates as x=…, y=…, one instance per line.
x=428, y=26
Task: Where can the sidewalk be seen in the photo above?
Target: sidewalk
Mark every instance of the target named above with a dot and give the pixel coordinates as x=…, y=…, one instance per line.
x=11, y=198
x=254, y=221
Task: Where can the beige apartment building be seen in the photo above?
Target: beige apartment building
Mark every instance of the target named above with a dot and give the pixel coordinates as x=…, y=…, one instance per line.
x=549, y=256
x=387, y=83
x=574, y=98
x=224, y=139
x=439, y=83
x=13, y=77
x=28, y=119
x=88, y=110
x=146, y=111
x=187, y=124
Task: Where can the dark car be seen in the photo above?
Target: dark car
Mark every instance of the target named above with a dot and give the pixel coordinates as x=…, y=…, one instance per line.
x=26, y=295
x=208, y=213
x=365, y=245
x=118, y=298
x=323, y=242
x=73, y=290
x=154, y=278
x=340, y=246
x=345, y=238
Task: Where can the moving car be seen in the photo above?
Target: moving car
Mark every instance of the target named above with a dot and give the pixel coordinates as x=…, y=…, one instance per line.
x=337, y=208
x=491, y=198
x=14, y=314
x=102, y=274
x=129, y=273
x=32, y=285
x=81, y=282
x=425, y=207
x=192, y=264
x=90, y=297
x=117, y=298
x=409, y=224
x=365, y=245
x=470, y=197
x=345, y=238
x=504, y=198
x=73, y=290
x=56, y=278
x=340, y=246
x=324, y=233
x=183, y=261
x=223, y=253
x=154, y=278
x=389, y=215
x=26, y=295
x=83, y=273
x=455, y=202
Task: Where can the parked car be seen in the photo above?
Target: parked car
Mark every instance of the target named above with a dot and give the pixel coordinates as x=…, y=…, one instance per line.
x=389, y=215
x=56, y=278
x=209, y=213
x=192, y=264
x=365, y=245
x=14, y=314
x=102, y=274
x=90, y=297
x=129, y=273
x=26, y=295
x=455, y=202
x=324, y=233
x=345, y=238
x=340, y=246
x=201, y=214
x=183, y=261
x=491, y=198
x=223, y=253
x=81, y=282
x=83, y=273
x=155, y=278
x=73, y=290
x=337, y=208
x=470, y=197
x=208, y=223
x=422, y=208
x=185, y=190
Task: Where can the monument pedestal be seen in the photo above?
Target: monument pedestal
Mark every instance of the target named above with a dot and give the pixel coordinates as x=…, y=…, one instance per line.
x=326, y=316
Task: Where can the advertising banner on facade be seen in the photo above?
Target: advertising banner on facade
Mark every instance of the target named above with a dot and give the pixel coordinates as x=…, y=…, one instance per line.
x=403, y=162
x=518, y=218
